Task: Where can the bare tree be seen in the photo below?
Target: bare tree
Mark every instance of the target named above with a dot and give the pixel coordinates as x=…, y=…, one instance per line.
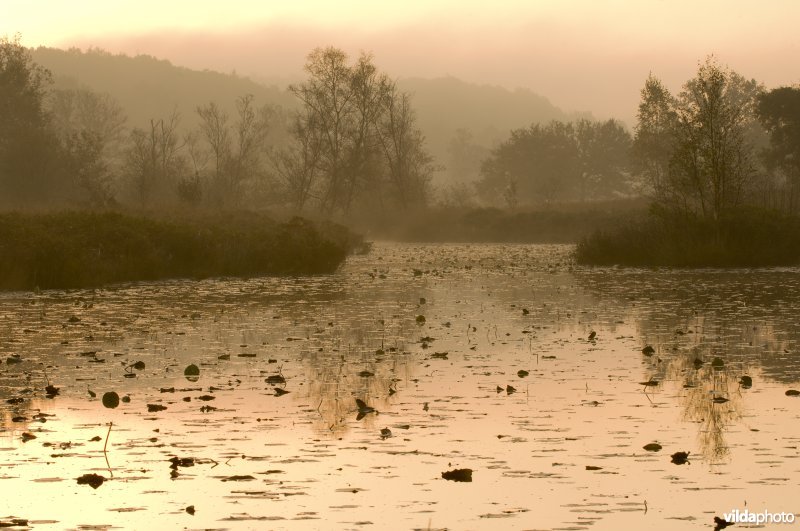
x=326, y=98
x=410, y=167
x=298, y=165
x=236, y=149
x=353, y=134
x=154, y=159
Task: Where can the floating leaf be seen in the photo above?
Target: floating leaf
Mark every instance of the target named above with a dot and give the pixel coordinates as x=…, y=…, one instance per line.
x=276, y=379
x=93, y=480
x=648, y=351
x=746, y=382
x=522, y=373
x=717, y=363
x=181, y=461
x=110, y=399
x=139, y=365
x=720, y=523
x=592, y=467
x=153, y=408
x=190, y=509
x=459, y=474
x=680, y=458
x=280, y=392
x=192, y=373
x=420, y=319
x=386, y=433
x=652, y=447
x=14, y=522
x=792, y=392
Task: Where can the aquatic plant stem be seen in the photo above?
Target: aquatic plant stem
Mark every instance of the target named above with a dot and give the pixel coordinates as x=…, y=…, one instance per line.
x=105, y=446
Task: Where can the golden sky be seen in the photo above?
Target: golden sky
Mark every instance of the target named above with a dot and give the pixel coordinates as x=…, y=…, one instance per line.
x=581, y=54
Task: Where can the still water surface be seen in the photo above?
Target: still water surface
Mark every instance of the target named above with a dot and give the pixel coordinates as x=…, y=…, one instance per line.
x=472, y=356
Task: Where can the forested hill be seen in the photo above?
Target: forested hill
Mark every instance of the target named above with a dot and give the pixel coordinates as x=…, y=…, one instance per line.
x=147, y=87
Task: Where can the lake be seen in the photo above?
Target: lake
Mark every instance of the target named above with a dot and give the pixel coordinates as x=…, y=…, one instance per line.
x=507, y=360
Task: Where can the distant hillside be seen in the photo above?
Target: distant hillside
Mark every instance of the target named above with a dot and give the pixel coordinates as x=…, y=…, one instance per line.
x=148, y=87
x=446, y=104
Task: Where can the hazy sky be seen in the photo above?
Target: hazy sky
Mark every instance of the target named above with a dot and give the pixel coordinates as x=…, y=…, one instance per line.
x=581, y=54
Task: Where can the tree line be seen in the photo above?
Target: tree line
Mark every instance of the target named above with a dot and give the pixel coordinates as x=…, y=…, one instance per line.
x=722, y=143
x=353, y=142
x=354, y=145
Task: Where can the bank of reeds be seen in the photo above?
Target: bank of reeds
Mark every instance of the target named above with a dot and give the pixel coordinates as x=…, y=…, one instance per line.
x=745, y=237
x=87, y=249
x=563, y=223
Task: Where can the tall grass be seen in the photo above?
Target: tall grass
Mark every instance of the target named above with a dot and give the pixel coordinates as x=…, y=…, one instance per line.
x=745, y=237
x=86, y=249
x=564, y=223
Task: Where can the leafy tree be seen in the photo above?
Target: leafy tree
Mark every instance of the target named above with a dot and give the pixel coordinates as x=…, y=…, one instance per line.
x=28, y=147
x=697, y=149
x=90, y=127
x=654, y=136
x=779, y=113
x=557, y=162
x=604, y=158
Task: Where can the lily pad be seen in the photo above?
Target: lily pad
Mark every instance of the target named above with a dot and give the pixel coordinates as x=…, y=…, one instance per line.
x=110, y=399
x=192, y=372
x=93, y=480
x=459, y=474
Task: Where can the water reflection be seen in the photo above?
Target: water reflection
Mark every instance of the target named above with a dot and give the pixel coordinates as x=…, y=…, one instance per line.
x=560, y=445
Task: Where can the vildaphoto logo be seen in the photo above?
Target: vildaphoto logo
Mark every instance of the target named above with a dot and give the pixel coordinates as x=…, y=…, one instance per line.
x=764, y=517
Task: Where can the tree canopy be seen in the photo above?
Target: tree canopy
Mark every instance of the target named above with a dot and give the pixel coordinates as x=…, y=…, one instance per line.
x=558, y=161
